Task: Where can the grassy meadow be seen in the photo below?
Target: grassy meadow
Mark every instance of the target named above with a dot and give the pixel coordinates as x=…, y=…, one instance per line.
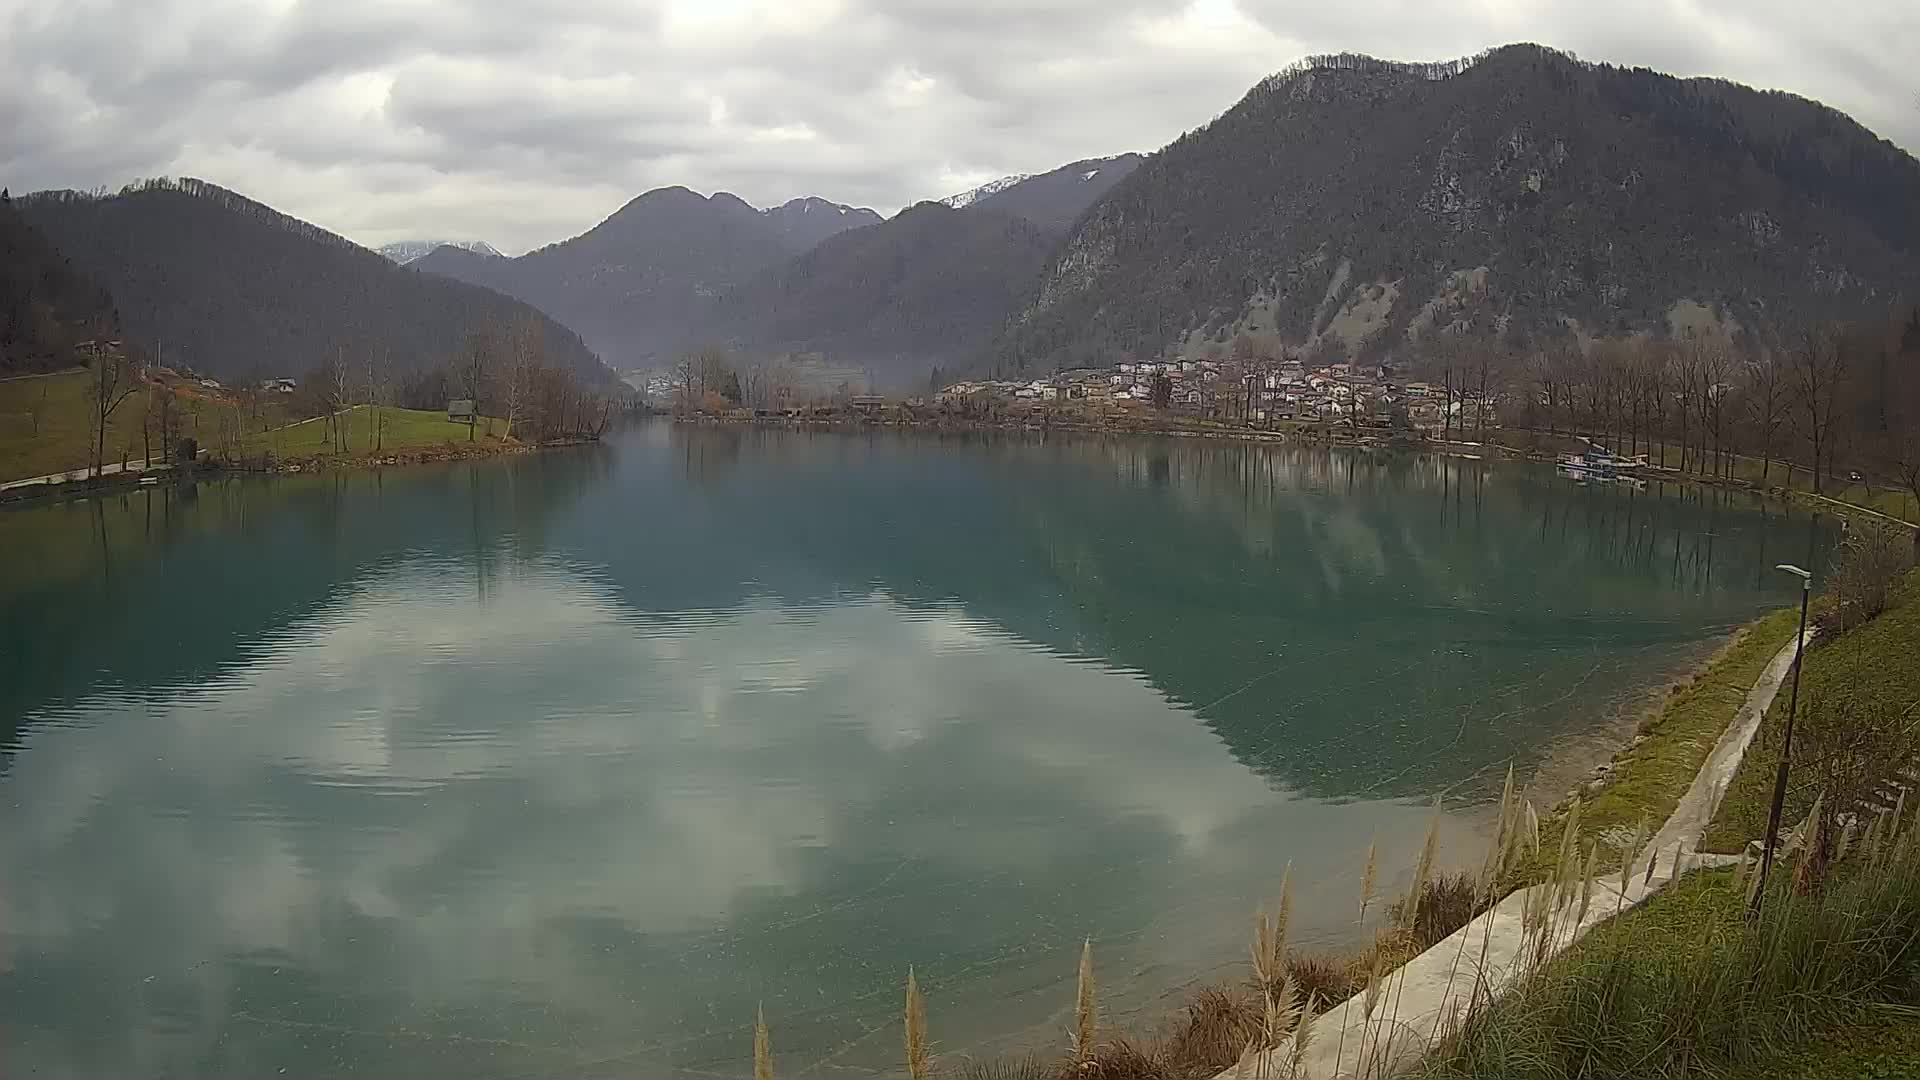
x=46, y=426
x=398, y=429
x=1872, y=668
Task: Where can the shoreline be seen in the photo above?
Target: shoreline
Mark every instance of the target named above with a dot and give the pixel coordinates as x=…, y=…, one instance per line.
x=1300, y=435
x=133, y=480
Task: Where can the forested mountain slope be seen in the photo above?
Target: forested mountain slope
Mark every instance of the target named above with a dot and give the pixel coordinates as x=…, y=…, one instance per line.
x=46, y=305
x=1352, y=206
x=225, y=285
x=929, y=287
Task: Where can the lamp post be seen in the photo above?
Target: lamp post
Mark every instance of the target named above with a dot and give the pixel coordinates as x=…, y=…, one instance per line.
x=1786, y=742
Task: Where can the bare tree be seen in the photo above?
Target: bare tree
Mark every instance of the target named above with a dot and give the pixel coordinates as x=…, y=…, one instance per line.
x=685, y=373
x=335, y=394
x=1766, y=400
x=516, y=383
x=37, y=408
x=1687, y=391
x=1818, y=377
x=1483, y=361
x=375, y=388
x=1712, y=372
x=1656, y=386
x=714, y=370
x=113, y=382
x=476, y=367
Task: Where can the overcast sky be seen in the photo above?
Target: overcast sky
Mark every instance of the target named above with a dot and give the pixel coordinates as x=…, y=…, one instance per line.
x=525, y=121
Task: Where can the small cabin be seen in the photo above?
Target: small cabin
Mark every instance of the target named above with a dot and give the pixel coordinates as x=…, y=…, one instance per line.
x=869, y=404
x=460, y=411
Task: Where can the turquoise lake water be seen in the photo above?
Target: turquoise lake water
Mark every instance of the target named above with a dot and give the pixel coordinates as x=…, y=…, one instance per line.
x=559, y=765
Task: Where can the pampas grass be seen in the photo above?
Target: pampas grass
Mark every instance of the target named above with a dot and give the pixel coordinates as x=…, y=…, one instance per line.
x=762, y=1047
x=1410, y=905
x=1369, y=877
x=1083, y=1020
x=919, y=1056
x=1627, y=858
x=1270, y=936
x=1691, y=984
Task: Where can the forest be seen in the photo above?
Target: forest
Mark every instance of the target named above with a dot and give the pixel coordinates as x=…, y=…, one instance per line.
x=48, y=309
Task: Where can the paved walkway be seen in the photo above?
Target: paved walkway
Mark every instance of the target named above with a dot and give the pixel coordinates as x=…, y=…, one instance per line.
x=1690, y=819
x=1864, y=510
x=110, y=468
x=1489, y=955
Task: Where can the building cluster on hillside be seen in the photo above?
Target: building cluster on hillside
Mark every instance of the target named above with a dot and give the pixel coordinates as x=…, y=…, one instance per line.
x=1255, y=391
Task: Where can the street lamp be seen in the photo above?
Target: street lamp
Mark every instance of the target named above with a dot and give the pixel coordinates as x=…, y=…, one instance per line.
x=1786, y=743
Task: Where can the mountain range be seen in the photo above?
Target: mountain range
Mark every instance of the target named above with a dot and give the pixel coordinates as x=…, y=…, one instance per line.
x=673, y=269
x=1346, y=206
x=640, y=286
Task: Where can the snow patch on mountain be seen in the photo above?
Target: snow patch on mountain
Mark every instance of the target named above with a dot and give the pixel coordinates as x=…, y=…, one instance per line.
x=1089, y=174
x=991, y=187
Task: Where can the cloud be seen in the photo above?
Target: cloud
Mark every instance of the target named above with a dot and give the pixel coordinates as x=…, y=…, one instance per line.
x=521, y=124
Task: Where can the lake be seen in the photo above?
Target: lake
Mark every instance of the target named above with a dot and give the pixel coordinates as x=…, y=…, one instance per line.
x=559, y=765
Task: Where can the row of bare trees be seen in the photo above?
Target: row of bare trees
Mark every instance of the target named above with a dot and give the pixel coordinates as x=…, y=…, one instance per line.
x=504, y=371
x=709, y=380
x=1826, y=401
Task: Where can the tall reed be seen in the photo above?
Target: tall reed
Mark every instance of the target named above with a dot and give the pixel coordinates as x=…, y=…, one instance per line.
x=1083, y=1007
x=1689, y=984
x=919, y=1055
x=762, y=1047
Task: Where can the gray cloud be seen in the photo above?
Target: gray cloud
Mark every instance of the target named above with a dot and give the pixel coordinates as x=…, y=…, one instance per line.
x=523, y=123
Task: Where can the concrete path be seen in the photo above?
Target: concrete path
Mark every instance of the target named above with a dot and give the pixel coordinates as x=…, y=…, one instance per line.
x=1690, y=819
x=71, y=475
x=1863, y=510
x=1482, y=960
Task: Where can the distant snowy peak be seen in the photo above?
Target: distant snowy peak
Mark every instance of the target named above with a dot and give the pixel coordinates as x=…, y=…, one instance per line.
x=407, y=251
x=991, y=187
x=1052, y=199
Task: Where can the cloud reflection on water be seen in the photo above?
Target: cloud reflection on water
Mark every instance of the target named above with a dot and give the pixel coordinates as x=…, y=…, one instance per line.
x=433, y=812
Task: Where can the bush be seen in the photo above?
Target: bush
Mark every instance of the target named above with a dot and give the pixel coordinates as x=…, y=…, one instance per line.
x=1446, y=904
x=1872, y=559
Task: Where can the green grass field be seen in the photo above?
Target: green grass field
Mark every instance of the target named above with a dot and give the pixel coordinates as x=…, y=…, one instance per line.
x=46, y=426
x=400, y=429
x=63, y=438
x=1890, y=501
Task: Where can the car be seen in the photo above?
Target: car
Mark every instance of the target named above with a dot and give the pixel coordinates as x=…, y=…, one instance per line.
x=1854, y=477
